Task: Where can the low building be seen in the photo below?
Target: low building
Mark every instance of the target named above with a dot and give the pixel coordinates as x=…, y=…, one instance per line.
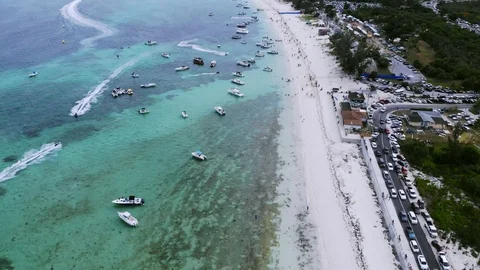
x=426, y=119
x=354, y=118
x=356, y=97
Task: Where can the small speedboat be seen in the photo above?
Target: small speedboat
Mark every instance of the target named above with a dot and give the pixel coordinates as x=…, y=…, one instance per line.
x=198, y=61
x=33, y=74
x=268, y=41
x=114, y=93
x=166, y=55
x=128, y=218
x=268, y=69
x=246, y=7
x=211, y=14
x=265, y=46
x=182, y=68
x=272, y=52
x=213, y=63
x=238, y=74
x=242, y=31
x=237, y=81
x=143, y=111
x=219, y=110
x=150, y=43
x=260, y=44
x=243, y=63
x=148, y=85
x=199, y=155
x=239, y=5
x=130, y=91
x=241, y=25
x=184, y=114
x=134, y=75
x=236, y=92
x=243, y=42
x=236, y=37
x=259, y=54
x=242, y=13
x=218, y=46
x=251, y=60
x=130, y=200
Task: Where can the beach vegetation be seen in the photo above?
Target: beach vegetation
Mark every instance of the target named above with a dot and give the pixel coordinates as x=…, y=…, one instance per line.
x=455, y=203
x=447, y=52
x=330, y=11
x=354, y=54
x=5, y=264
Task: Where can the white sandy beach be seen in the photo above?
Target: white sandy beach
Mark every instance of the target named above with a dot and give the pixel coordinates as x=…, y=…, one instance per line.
x=329, y=218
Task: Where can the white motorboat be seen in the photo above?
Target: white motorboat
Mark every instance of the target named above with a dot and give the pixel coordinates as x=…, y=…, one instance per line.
x=239, y=5
x=219, y=110
x=184, y=114
x=238, y=74
x=114, y=93
x=148, y=85
x=130, y=200
x=241, y=25
x=259, y=54
x=237, y=81
x=265, y=46
x=130, y=91
x=272, y=52
x=260, y=44
x=128, y=218
x=242, y=31
x=134, y=75
x=243, y=42
x=243, y=63
x=242, y=13
x=182, y=68
x=213, y=63
x=166, y=55
x=199, y=155
x=251, y=60
x=33, y=74
x=143, y=111
x=236, y=92
x=150, y=43
x=268, y=69
x=268, y=41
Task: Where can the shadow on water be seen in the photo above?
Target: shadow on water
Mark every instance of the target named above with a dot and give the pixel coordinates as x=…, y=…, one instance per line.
x=5, y=264
x=3, y=191
x=10, y=158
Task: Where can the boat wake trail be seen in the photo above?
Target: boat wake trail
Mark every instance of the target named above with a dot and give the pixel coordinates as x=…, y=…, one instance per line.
x=82, y=106
x=187, y=43
x=203, y=74
x=29, y=158
x=70, y=12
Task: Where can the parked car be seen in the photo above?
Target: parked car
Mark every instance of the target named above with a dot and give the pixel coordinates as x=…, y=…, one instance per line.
x=414, y=246
x=393, y=193
x=421, y=204
x=378, y=153
x=408, y=182
x=412, y=217
x=436, y=245
x=442, y=259
x=386, y=150
x=422, y=262
x=411, y=192
x=427, y=217
x=415, y=208
x=389, y=184
x=386, y=175
x=432, y=230
x=402, y=194
x=390, y=166
x=374, y=145
x=410, y=233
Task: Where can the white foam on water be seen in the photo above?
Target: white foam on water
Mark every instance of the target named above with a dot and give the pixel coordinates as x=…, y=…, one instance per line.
x=203, y=74
x=70, y=12
x=29, y=158
x=82, y=106
x=187, y=43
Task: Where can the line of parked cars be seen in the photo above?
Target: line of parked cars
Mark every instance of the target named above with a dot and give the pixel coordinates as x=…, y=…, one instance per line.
x=417, y=206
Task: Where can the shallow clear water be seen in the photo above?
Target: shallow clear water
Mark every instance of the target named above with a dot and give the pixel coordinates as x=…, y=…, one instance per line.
x=198, y=215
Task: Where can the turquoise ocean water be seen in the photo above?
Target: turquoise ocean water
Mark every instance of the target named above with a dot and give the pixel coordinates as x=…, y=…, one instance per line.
x=57, y=214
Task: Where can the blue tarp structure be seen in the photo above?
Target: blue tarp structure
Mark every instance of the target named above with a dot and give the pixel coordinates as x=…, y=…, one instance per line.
x=384, y=76
x=289, y=12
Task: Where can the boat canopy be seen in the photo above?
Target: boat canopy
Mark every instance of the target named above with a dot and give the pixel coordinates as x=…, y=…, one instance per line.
x=199, y=152
x=131, y=198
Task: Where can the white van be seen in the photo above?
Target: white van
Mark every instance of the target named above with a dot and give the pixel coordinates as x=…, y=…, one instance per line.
x=412, y=217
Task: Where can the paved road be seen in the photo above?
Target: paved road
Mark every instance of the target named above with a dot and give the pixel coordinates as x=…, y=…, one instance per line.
x=421, y=237
x=399, y=67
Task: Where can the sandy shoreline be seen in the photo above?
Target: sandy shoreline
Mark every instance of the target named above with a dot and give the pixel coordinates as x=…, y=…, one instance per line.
x=329, y=217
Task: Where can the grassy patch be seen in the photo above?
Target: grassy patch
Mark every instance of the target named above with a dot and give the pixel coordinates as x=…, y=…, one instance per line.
x=308, y=17
x=422, y=52
x=453, y=84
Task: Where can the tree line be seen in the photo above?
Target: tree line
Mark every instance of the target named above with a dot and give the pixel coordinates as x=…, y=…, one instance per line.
x=468, y=10
x=457, y=50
